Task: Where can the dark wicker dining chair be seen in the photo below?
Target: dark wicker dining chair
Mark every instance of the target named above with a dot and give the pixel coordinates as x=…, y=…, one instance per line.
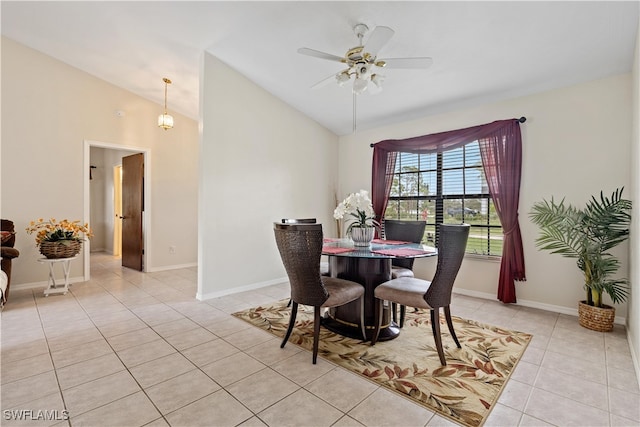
x=413, y=292
x=300, y=247
x=406, y=231
x=324, y=266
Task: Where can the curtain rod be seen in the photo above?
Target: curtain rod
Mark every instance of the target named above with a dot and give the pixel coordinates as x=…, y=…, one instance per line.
x=521, y=120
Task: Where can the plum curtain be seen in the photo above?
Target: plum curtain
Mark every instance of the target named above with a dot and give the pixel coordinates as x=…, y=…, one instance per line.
x=501, y=151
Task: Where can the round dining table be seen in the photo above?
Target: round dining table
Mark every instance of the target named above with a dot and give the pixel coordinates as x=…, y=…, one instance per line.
x=370, y=266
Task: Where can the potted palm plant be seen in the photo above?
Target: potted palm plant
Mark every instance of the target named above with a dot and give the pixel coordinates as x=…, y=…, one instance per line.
x=588, y=235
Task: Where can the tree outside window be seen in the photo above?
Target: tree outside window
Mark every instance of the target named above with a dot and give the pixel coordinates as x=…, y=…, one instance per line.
x=450, y=188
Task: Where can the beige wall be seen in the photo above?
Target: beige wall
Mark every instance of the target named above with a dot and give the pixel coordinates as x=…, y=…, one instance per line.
x=261, y=160
x=633, y=320
x=576, y=142
x=49, y=110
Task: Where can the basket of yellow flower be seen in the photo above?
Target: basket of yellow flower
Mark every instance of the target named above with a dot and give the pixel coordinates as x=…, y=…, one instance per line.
x=60, y=249
x=59, y=239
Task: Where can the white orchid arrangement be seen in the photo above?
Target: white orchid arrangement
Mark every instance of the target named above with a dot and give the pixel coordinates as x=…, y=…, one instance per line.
x=359, y=207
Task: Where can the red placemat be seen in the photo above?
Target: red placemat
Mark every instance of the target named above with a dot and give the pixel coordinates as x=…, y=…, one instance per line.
x=389, y=242
x=335, y=250
x=329, y=239
x=402, y=252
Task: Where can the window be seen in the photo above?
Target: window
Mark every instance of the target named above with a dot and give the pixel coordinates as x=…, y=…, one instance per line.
x=449, y=188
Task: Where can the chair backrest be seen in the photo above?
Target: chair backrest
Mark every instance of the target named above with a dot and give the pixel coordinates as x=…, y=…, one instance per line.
x=298, y=220
x=407, y=231
x=451, y=249
x=300, y=247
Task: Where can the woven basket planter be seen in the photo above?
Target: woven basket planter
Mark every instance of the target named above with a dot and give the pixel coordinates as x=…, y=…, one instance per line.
x=60, y=249
x=596, y=318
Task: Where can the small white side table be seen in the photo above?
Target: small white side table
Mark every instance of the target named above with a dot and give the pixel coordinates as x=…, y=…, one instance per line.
x=53, y=287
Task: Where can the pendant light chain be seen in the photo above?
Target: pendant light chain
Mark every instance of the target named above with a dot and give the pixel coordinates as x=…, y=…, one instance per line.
x=166, y=83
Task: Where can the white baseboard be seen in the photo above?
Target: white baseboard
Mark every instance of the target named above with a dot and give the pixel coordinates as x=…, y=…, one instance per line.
x=79, y=279
x=533, y=304
x=45, y=283
x=171, y=267
x=251, y=287
x=634, y=355
x=483, y=295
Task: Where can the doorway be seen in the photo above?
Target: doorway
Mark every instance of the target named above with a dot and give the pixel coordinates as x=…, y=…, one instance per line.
x=107, y=226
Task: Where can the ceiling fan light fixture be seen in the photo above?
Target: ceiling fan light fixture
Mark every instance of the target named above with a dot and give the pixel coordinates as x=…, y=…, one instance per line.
x=377, y=80
x=360, y=85
x=363, y=70
x=362, y=59
x=342, y=78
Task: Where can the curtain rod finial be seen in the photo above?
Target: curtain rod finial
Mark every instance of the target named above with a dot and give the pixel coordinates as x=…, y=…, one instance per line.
x=522, y=119
x=371, y=145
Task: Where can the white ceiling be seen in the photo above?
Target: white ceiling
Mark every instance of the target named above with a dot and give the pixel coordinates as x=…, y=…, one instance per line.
x=482, y=51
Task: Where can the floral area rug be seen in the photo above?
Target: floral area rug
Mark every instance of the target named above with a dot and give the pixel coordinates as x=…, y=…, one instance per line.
x=464, y=391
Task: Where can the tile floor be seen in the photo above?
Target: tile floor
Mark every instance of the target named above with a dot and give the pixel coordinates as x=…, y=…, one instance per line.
x=136, y=349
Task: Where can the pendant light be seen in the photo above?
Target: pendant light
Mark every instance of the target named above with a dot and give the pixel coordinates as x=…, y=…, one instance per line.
x=165, y=121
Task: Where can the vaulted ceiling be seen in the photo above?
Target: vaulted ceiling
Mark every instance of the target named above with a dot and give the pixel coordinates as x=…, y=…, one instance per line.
x=482, y=51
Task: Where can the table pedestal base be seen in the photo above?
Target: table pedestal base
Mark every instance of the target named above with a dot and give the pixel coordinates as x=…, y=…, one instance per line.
x=387, y=333
x=345, y=319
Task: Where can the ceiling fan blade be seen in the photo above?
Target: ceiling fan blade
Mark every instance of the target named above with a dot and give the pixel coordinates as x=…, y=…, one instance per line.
x=418, y=62
x=318, y=54
x=324, y=82
x=378, y=38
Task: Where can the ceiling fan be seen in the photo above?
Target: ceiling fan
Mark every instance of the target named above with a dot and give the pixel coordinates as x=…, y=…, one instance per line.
x=362, y=61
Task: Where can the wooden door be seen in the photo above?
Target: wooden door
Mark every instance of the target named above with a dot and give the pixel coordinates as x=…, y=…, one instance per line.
x=132, y=210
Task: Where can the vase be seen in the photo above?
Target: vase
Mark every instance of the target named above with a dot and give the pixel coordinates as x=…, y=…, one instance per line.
x=362, y=236
x=60, y=249
x=596, y=318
